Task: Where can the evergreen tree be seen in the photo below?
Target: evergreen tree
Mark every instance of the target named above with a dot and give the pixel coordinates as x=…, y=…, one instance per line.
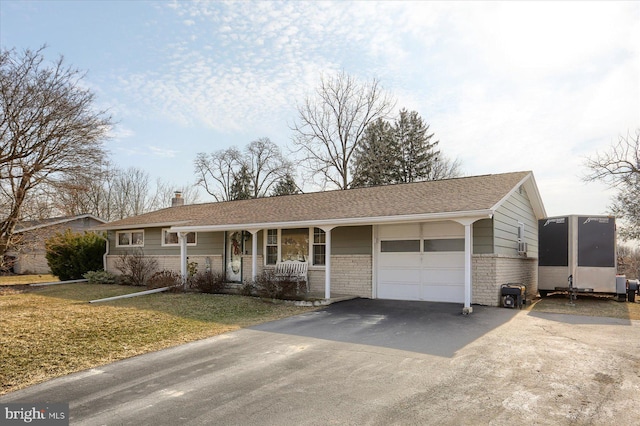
x=374, y=160
x=285, y=186
x=69, y=255
x=399, y=153
x=242, y=187
x=414, y=148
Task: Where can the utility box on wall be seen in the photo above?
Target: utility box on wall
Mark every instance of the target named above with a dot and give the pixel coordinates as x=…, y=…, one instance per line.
x=583, y=247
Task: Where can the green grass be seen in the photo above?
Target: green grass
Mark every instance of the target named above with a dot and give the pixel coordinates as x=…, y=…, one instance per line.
x=53, y=331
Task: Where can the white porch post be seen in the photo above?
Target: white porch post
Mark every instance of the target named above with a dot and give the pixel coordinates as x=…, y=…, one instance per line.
x=327, y=262
x=254, y=253
x=468, y=247
x=468, y=251
x=182, y=239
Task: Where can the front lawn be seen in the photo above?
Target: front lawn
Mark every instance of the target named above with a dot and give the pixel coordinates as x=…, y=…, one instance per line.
x=52, y=331
x=27, y=279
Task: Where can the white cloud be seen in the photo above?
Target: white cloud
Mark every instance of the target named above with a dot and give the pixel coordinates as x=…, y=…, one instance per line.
x=505, y=86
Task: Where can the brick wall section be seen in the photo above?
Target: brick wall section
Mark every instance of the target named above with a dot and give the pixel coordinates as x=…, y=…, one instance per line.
x=350, y=275
x=491, y=271
x=316, y=280
x=172, y=263
x=246, y=267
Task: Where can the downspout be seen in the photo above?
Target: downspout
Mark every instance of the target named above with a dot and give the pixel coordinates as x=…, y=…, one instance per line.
x=106, y=250
x=104, y=256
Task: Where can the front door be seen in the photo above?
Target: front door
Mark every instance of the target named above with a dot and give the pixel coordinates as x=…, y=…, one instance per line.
x=234, y=256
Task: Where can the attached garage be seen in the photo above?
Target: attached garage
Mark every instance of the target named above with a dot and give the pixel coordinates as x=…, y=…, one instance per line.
x=421, y=261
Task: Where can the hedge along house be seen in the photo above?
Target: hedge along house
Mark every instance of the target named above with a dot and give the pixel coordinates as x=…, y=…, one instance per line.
x=454, y=240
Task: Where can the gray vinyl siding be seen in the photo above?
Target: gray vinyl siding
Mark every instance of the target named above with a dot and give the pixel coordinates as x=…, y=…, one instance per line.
x=516, y=208
x=344, y=240
x=208, y=243
x=351, y=240
x=483, y=237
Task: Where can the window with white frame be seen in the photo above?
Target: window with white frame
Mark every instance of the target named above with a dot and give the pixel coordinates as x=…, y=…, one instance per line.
x=170, y=238
x=130, y=238
x=294, y=245
x=287, y=245
x=319, y=246
x=272, y=246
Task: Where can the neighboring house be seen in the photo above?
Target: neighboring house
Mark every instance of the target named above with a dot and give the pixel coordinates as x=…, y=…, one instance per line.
x=454, y=240
x=31, y=256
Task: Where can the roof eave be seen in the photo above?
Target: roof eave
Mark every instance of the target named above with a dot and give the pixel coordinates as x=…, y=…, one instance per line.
x=108, y=227
x=60, y=222
x=530, y=186
x=330, y=223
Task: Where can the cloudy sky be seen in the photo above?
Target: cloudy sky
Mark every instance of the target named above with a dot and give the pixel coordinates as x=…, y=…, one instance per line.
x=504, y=86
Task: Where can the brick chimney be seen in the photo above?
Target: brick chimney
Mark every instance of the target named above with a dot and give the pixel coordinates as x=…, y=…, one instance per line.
x=177, y=199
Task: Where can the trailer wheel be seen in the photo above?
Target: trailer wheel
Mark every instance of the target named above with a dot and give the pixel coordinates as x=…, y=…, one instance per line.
x=543, y=293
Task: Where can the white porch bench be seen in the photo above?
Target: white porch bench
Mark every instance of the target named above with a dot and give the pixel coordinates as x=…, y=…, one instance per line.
x=293, y=269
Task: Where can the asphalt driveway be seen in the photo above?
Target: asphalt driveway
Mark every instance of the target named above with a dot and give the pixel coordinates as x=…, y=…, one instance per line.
x=373, y=362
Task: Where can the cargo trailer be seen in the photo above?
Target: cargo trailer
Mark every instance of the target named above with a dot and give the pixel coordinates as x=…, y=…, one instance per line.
x=577, y=253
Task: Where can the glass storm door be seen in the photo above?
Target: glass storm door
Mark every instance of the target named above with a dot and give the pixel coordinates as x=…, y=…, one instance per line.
x=234, y=256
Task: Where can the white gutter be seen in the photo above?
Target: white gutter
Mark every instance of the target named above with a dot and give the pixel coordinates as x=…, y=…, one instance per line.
x=139, y=225
x=475, y=214
x=60, y=222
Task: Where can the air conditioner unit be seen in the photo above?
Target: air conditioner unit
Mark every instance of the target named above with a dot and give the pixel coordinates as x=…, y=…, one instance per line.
x=522, y=248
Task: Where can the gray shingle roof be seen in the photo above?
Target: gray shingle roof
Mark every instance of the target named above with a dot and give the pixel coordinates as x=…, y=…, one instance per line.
x=467, y=194
x=41, y=223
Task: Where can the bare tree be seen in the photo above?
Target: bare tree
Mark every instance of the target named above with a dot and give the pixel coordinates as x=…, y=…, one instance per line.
x=115, y=194
x=131, y=188
x=77, y=196
x=164, y=192
x=445, y=168
x=331, y=124
x=215, y=172
x=49, y=131
x=228, y=174
x=619, y=167
x=266, y=165
x=629, y=261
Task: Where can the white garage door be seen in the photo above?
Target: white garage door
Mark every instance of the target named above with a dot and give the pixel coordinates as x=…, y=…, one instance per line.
x=421, y=262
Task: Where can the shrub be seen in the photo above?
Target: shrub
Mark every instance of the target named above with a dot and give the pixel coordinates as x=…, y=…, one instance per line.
x=100, y=277
x=266, y=284
x=208, y=281
x=136, y=268
x=70, y=255
x=247, y=289
x=291, y=287
x=272, y=287
x=165, y=278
